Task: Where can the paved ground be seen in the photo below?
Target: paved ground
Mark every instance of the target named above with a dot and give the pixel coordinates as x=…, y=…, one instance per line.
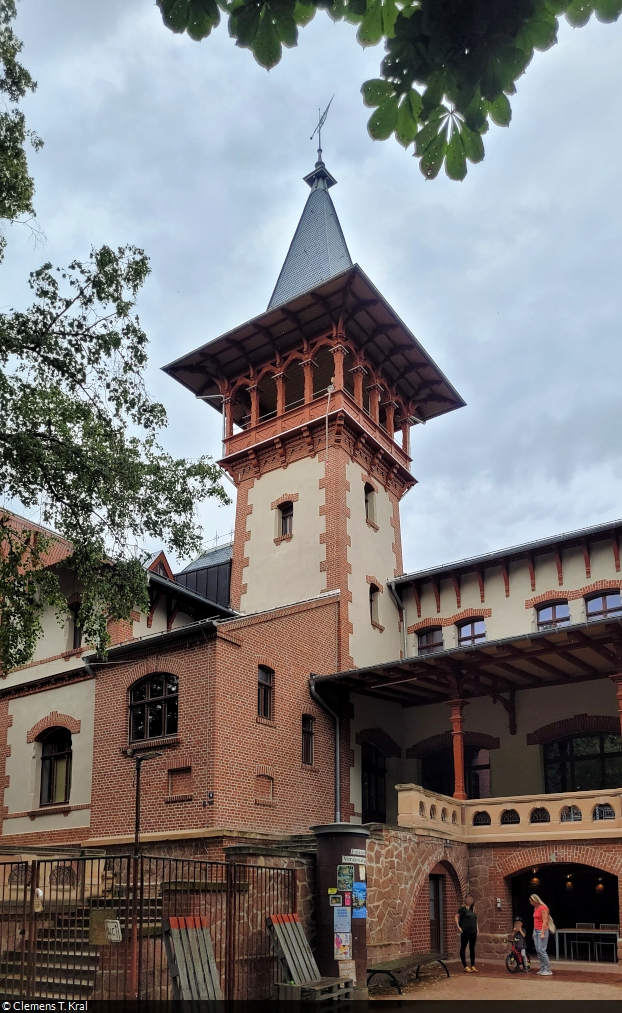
x=494, y=982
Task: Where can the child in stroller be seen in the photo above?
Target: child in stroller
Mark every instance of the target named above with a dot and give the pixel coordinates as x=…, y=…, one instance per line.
x=517, y=958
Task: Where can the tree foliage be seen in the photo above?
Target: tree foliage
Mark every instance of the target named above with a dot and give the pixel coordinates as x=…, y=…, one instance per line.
x=78, y=439
x=16, y=184
x=449, y=67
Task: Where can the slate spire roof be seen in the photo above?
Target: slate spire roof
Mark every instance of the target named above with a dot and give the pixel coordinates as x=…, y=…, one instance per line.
x=318, y=250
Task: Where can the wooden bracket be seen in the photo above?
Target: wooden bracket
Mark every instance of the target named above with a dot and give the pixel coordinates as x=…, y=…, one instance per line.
x=510, y=706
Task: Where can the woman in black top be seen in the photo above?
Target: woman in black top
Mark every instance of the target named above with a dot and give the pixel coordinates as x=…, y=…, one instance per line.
x=466, y=920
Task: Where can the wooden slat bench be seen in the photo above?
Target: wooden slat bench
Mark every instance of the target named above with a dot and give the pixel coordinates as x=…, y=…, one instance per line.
x=389, y=967
x=297, y=964
x=190, y=956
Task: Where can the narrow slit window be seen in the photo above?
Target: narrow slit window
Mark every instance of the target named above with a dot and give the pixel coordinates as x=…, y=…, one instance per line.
x=286, y=511
x=265, y=689
x=307, y=738
x=370, y=503
x=374, y=591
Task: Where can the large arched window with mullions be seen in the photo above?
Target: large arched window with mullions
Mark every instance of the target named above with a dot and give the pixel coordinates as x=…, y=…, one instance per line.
x=583, y=763
x=153, y=707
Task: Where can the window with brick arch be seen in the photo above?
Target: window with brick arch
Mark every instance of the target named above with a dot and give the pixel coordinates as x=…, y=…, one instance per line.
x=603, y=606
x=265, y=691
x=286, y=512
x=55, y=766
x=553, y=614
x=307, y=738
x=154, y=707
x=370, y=503
x=430, y=641
x=472, y=632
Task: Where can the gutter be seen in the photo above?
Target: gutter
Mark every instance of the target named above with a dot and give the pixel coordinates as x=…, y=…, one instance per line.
x=318, y=699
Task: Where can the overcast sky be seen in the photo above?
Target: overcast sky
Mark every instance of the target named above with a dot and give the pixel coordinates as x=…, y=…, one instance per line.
x=511, y=279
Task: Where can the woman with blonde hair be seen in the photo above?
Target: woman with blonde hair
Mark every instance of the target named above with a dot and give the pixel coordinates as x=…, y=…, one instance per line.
x=541, y=924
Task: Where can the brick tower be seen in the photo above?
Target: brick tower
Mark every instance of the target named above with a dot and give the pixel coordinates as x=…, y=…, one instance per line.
x=319, y=393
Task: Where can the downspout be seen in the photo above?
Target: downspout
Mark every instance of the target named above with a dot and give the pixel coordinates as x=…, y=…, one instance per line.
x=318, y=699
x=400, y=607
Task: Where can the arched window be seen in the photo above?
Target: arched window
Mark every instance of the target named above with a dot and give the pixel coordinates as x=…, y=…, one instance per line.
x=602, y=606
x=286, y=518
x=374, y=784
x=55, y=766
x=481, y=819
x=570, y=814
x=430, y=641
x=265, y=688
x=370, y=503
x=552, y=615
x=432, y=812
x=583, y=763
x=509, y=816
x=471, y=633
x=540, y=815
x=374, y=591
x=153, y=707
x=604, y=812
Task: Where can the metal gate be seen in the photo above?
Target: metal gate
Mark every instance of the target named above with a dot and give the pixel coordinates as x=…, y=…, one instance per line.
x=92, y=927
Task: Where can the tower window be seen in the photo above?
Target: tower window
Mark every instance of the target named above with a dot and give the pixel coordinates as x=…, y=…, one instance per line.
x=374, y=591
x=55, y=766
x=430, y=641
x=471, y=633
x=552, y=616
x=286, y=510
x=370, y=503
x=153, y=707
x=307, y=738
x=265, y=688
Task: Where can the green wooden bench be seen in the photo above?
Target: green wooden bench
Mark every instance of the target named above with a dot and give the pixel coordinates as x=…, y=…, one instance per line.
x=190, y=956
x=297, y=965
x=389, y=967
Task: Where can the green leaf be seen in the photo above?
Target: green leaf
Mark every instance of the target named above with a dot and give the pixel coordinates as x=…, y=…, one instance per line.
x=472, y=143
x=244, y=24
x=455, y=160
x=383, y=121
x=370, y=31
x=608, y=10
x=337, y=10
x=555, y=6
x=285, y=26
x=175, y=14
x=304, y=13
x=538, y=32
x=431, y=161
x=428, y=133
x=406, y=129
x=579, y=12
x=415, y=102
x=500, y=110
x=376, y=91
x=434, y=93
x=267, y=46
x=389, y=16
x=204, y=15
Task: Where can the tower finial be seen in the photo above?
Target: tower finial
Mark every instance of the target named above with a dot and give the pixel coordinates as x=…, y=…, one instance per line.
x=318, y=130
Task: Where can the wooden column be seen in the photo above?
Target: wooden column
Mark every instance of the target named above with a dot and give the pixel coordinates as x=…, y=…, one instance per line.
x=406, y=436
x=254, y=393
x=374, y=401
x=279, y=379
x=617, y=678
x=389, y=409
x=358, y=373
x=308, y=366
x=339, y=353
x=227, y=407
x=457, y=735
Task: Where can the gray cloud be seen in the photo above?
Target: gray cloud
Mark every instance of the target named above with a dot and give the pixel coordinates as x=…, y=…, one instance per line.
x=510, y=279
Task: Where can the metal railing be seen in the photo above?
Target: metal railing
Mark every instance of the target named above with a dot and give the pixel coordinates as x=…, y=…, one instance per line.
x=92, y=927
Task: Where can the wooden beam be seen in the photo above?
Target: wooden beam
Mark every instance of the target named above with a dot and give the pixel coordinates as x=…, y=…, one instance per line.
x=480, y=580
x=585, y=545
x=455, y=576
x=559, y=564
x=532, y=569
x=616, y=549
x=155, y=601
x=436, y=587
x=417, y=595
x=506, y=577
x=171, y=612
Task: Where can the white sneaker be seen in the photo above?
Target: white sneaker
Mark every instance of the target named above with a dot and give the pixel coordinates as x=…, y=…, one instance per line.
x=545, y=970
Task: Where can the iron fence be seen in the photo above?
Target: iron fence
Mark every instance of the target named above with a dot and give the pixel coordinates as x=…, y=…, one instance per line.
x=92, y=927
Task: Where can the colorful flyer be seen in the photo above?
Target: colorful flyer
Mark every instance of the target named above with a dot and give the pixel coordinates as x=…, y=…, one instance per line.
x=342, y=919
x=335, y=900
x=362, y=872
x=332, y=889
x=347, y=899
x=345, y=877
x=343, y=945
x=359, y=900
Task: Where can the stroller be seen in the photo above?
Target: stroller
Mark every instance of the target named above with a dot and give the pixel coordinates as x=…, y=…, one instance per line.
x=514, y=960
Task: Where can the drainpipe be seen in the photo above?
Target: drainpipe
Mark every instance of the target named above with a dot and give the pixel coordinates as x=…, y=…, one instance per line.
x=400, y=607
x=318, y=699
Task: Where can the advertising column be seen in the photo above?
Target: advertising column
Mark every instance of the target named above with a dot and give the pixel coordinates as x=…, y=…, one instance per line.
x=342, y=902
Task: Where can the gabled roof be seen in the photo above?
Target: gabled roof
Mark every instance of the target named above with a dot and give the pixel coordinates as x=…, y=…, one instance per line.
x=211, y=557
x=318, y=250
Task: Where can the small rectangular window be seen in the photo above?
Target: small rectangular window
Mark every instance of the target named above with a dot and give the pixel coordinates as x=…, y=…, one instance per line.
x=264, y=692
x=287, y=518
x=374, y=591
x=430, y=641
x=471, y=633
x=307, y=738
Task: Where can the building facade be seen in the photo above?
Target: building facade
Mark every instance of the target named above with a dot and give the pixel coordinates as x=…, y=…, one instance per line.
x=470, y=714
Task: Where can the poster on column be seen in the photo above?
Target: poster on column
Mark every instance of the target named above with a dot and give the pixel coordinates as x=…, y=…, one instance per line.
x=359, y=900
x=343, y=945
x=342, y=919
x=345, y=877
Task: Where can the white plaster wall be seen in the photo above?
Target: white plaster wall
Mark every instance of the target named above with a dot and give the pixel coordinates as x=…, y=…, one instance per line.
x=288, y=572
x=509, y=615
x=23, y=766
x=371, y=553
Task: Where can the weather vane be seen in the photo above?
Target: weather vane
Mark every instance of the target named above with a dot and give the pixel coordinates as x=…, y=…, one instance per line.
x=318, y=130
